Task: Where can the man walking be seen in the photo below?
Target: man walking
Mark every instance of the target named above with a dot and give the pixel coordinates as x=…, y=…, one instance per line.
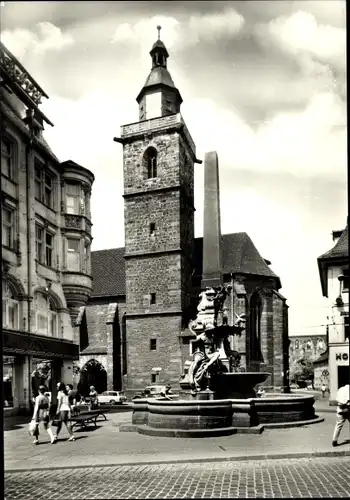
x=323, y=389
x=343, y=411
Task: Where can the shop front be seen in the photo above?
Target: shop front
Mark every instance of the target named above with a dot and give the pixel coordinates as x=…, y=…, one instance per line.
x=23, y=353
x=339, y=368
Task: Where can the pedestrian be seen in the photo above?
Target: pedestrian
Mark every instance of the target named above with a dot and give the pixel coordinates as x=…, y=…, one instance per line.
x=72, y=398
x=63, y=411
x=323, y=389
x=41, y=414
x=343, y=411
x=93, y=398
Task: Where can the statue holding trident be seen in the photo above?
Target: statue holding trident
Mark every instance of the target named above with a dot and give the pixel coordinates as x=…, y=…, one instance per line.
x=212, y=340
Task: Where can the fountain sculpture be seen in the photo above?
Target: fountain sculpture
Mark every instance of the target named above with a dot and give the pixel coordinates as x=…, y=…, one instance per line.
x=217, y=395
x=215, y=368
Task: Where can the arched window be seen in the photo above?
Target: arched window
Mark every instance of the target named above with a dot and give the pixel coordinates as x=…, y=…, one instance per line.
x=10, y=306
x=46, y=316
x=255, y=327
x=150, y=162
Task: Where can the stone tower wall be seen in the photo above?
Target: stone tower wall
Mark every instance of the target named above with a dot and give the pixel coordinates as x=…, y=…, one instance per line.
x=157, y=262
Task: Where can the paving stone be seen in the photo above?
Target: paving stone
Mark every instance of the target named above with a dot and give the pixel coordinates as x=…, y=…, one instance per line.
x=286, y=478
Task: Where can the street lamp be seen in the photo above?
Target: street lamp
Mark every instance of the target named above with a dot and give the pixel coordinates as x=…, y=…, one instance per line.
x=339, y=301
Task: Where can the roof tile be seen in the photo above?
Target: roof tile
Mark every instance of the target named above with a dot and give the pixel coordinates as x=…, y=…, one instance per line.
x=239, y=255
x=340, y=249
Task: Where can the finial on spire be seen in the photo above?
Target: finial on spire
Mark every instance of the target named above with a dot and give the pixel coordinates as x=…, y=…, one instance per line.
x=159, y=28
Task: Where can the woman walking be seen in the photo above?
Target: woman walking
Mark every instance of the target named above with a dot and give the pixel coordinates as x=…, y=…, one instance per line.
x=41, y=414
x=64, y=411
x=93, y=398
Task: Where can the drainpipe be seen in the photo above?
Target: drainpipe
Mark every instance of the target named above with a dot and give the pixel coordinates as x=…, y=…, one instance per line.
x=29, y=248
x=232, y=301
x=29, y=143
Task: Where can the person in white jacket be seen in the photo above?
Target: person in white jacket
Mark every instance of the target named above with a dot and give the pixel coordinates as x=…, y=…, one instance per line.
x=343, y=411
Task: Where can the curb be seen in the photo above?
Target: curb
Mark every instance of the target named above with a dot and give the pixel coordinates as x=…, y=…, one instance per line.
x=247, y=458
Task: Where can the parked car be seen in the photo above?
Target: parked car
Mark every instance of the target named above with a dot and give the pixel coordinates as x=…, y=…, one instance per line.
x=154, y=391
x=111, y=397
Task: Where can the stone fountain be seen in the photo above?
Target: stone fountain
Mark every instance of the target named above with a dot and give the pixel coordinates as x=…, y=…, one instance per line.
x=217, y=396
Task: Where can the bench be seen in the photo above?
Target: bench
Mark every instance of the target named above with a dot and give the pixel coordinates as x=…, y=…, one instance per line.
x=88, y=417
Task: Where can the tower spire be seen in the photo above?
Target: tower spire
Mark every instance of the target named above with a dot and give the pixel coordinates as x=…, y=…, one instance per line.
x=159, y=96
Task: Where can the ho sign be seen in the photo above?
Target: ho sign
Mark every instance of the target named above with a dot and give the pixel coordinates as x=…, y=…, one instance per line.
x=341, y=356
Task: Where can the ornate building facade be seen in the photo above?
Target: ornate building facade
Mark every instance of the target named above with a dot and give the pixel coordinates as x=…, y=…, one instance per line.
x=135, y=323
x=46, y=239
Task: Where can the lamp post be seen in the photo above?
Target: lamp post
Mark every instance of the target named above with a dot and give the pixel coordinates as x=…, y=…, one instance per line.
x=339, y=300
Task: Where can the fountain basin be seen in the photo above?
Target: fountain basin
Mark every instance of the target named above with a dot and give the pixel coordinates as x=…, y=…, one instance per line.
x=238, y=385
x=277, y=408
x=183, y=418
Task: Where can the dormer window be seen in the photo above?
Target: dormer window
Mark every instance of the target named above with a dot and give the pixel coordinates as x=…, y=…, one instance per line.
x=150, y=161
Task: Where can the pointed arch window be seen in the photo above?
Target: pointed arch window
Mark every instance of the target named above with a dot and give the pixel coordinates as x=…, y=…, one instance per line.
x=255, y=327
x=10, y=306
x=150, y=161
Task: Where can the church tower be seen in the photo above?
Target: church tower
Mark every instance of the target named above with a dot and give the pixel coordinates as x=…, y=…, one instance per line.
x=159, y=156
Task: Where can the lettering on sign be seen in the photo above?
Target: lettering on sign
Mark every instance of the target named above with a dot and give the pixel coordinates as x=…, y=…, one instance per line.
x=339, y=356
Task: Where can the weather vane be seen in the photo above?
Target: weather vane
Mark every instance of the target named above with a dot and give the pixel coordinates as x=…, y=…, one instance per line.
x=159, y=28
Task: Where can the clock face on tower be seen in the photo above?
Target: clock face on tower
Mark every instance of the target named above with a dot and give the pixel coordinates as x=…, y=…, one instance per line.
x=153, y=105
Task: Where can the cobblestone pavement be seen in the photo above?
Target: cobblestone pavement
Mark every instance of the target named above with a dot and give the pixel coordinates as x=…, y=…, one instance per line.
x=105, y=445
x=287, y=478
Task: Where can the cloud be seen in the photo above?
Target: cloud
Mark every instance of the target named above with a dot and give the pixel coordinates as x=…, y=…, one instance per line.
x=301, y=34
x=46, y=37
x=303, y=143
x=206, y=27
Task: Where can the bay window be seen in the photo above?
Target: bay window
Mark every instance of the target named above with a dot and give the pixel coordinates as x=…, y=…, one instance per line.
x=73, y=254
x=73, y=199
x=10, y=306
x=87, y=257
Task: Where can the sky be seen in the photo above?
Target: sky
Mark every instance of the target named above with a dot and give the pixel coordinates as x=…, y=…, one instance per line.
x=263, y=83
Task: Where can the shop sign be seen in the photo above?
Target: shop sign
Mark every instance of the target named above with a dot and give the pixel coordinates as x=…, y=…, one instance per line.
x=33, y=345
x=341, y=356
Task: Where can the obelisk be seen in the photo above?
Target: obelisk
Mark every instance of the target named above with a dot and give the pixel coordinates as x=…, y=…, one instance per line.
x=212, y=271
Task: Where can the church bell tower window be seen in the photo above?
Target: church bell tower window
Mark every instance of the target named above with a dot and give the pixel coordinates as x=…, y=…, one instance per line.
x=150, y=159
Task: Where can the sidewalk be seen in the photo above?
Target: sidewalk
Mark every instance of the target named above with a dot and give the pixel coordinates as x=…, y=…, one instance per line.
x=105, y=445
